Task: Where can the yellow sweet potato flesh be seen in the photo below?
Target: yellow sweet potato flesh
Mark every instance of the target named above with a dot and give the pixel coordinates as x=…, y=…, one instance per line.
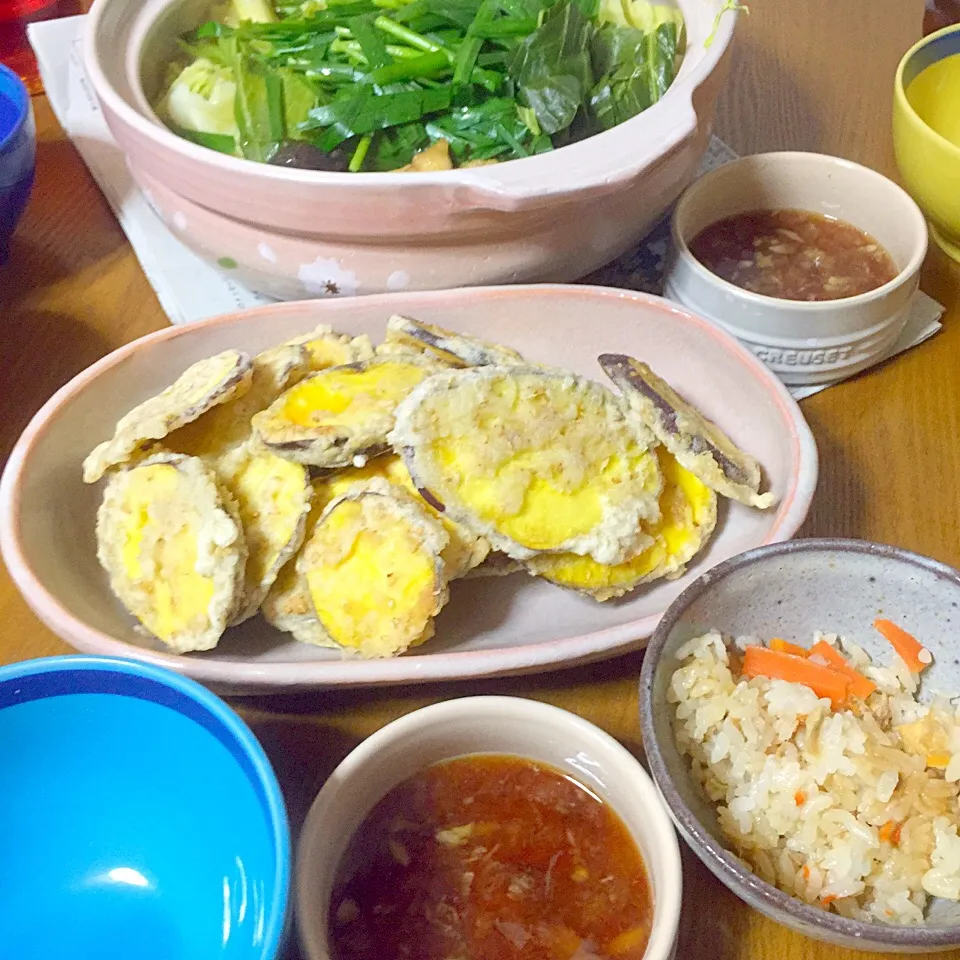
x=373, y=582
x=687, y=508
x=464, y=550
x=272, y=495
x=179, y=596
x=537, y=459
x=344, y=396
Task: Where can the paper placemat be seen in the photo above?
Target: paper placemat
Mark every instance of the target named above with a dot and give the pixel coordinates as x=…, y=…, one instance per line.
x=190, y=289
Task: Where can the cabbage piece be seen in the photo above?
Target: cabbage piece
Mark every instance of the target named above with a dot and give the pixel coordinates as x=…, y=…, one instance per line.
x=202, y=97
x=234, y=12
x=256, y=11
x=640, y=14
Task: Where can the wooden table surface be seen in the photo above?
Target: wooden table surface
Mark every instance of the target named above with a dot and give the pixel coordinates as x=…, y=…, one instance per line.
x=815, y=75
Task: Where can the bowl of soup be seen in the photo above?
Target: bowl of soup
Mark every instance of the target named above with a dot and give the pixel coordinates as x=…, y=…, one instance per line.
x=809, y=260
x=926, y=132
x=488, y=827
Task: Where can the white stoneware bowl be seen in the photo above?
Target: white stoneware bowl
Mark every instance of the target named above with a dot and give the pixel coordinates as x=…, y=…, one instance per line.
x=494, y=626
x=790, y=590
x=505, y=725
x=804, y=343
x=302, y=233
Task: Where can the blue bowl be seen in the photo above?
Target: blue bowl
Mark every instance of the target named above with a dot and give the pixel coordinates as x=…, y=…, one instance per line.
x=139, y=817
x=18, y=152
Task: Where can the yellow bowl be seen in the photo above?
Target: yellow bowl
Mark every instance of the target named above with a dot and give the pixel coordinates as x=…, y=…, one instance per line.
x=926, y=132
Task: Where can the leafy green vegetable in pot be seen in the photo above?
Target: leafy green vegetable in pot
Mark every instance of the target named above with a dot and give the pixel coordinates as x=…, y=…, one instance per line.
x=488, y=130
x=370, y=84
x=552, y=67
x=636, y=69
x=259, y=109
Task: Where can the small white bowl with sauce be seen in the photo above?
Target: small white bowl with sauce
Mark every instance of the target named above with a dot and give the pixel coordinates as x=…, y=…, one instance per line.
x=510, y=726
x=803, y=341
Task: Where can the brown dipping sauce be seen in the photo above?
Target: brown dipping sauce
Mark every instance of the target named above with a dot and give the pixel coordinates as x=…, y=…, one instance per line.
x=793, y=255
x=491, y=858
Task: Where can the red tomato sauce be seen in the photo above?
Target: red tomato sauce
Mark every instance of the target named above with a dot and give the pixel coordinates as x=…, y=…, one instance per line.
x=488, y=857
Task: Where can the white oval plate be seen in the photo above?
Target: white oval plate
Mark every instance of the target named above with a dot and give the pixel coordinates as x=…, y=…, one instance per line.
x=491, y=626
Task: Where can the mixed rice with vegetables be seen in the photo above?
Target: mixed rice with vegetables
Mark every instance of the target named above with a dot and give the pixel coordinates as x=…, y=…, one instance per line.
x=830, y=778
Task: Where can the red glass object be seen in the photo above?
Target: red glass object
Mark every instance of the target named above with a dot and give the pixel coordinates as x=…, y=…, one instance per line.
x=940, y=14
x=15, y=49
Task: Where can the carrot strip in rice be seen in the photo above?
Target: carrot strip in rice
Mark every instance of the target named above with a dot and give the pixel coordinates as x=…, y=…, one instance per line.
x=785, y=646
x=825, y=682
x=911, y=651
x=860, y=686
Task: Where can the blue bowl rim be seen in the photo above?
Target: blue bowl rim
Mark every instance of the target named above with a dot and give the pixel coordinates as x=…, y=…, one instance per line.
x=22, y=104
x=276, y=926
x=711, y=851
